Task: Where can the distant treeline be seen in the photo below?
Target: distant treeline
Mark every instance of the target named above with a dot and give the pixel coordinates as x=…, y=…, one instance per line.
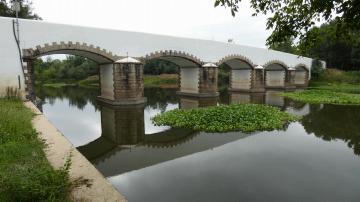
x=76, y=68
x=338, y=52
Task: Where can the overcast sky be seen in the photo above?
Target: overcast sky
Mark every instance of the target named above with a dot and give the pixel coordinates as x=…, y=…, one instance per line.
x=187, y=18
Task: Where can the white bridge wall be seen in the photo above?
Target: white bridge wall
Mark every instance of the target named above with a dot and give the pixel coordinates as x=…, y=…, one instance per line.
x=107, y=81
x=34, y=33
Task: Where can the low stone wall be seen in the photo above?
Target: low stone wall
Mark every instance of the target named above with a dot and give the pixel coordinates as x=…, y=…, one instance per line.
x=59, y=148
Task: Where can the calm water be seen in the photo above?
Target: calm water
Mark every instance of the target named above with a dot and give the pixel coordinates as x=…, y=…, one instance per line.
x=316, y=159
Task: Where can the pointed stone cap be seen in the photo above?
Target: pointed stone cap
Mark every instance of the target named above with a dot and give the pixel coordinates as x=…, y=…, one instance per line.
x=258, y=67
x=209, y=65
x=291, y=69
x=128, y=60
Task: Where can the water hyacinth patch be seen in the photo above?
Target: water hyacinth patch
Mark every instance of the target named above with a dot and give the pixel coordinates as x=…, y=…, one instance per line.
x=225, y=118
x=324, y=96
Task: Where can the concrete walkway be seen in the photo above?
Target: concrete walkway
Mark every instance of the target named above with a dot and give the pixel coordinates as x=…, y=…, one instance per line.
x=59, y=148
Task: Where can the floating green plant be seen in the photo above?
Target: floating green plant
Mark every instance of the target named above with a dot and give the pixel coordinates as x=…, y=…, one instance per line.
x=324, y=96
x=225, y=118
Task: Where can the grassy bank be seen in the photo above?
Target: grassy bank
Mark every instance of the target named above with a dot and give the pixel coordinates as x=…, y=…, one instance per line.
x=324, y=96
x=331, y=87
x=161, y=81
x=25, y=173
x=224, y=118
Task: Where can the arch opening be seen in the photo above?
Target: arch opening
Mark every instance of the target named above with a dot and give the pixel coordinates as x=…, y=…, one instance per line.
x=188, y=68
x=239, y=71
x=275, y=75
x=301, y=75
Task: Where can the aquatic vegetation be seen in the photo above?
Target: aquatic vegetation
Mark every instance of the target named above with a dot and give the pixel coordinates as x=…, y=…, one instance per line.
x=224, y=118
x=25, y=173
x=324, y=96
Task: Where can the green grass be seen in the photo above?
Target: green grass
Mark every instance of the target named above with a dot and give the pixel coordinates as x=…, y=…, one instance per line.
x=25, y=173
x=58, y=85
x=336, y=87
x=324, y=96
x=224, y=118
x=160, y=81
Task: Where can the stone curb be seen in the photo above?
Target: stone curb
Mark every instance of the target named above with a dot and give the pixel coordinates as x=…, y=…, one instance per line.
x=59, y=148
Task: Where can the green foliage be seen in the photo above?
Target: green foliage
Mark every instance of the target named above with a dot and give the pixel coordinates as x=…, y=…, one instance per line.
x=25, y=173
x=341, y=52
x=337, y=76
x=324, y=97
x=161, y=81
x=284, y=46
x=70, y=70
x=295, y=18
x=316, y=68
x=25, y=10
x=156, y=67
x=224, y=118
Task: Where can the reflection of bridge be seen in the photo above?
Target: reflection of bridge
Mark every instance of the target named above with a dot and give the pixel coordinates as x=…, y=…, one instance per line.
x=124, y=146
x=121, y=78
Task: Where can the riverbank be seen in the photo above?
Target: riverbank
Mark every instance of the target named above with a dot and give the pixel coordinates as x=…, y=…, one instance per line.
x=331, y=87
x=150, y=81
x=88, y=184
x=37, y=163
x=25, y=172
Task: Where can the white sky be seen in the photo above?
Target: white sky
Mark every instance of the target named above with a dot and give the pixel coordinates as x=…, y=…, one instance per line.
x=187, y=18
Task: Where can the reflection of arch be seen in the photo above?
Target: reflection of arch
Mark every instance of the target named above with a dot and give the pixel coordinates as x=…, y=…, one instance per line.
x=236, y=61
x=179, y=58
x=96, y=54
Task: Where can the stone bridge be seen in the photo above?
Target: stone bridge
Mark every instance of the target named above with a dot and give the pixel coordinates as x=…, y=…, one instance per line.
x=121, y=56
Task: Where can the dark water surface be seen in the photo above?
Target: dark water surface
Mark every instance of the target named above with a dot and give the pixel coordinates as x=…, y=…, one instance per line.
x=316, y=159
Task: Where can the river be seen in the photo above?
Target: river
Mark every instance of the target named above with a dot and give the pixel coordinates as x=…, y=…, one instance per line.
x=315, y=159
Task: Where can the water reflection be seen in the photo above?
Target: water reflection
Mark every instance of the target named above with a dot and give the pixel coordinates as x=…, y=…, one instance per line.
x=124, y=146
x=306, y=161
x=332, y=122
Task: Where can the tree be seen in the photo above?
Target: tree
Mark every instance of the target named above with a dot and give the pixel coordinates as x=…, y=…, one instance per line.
x=294, y=18
x=340, y=53
x=26, y=10
x=285, y=46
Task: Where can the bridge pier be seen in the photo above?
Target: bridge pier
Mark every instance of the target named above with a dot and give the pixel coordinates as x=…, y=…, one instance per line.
x=290, y=79
x=122, y=83
x=29, y=76
x=247, y=80
x=199, y=81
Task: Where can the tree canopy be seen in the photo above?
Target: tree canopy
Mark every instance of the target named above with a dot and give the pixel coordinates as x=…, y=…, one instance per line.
x=26, y=10
x=294, y=18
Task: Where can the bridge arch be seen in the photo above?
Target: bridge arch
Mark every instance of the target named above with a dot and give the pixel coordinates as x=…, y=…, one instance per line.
x=98, y=55
x=195, y=78
x=241, y=72
x=275, y=74
x=302, y=74
x=180, y=58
